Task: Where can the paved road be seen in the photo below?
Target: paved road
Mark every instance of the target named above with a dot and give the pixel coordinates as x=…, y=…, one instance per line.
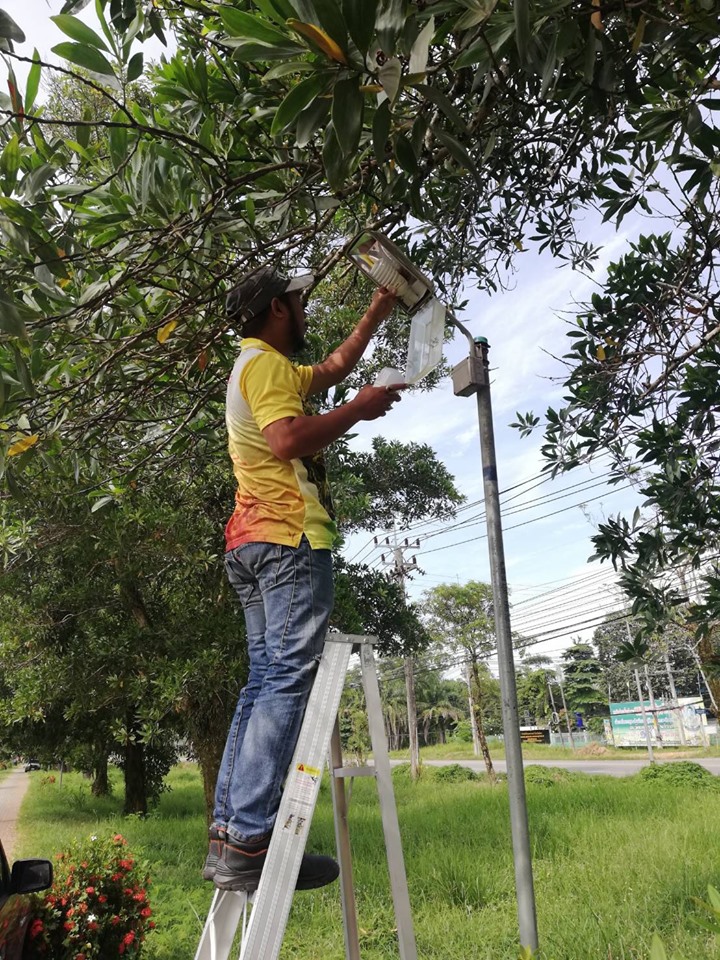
x=612, y=768
x=12, y=791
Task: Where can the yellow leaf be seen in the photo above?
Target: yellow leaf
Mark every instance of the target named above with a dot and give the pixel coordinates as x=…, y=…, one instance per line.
x=596, y=18
x=600, y=353
x=319, y=38
x=20, y=446
x=164, y=332
x=371, y=88
x=639, y=34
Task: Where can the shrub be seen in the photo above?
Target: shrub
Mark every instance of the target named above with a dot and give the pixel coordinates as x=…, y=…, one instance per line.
x=97, y=907
x=680, y=773
x=453, y=773
x=546, y=776
x=462, y=732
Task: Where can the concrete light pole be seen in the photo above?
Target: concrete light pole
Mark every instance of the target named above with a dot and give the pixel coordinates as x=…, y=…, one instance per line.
x=471, y=376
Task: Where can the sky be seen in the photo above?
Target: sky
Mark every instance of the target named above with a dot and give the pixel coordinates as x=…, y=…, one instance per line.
x=556, y=595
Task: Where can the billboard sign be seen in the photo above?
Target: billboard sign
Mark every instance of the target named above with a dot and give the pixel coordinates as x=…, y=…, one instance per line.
x=627, y=723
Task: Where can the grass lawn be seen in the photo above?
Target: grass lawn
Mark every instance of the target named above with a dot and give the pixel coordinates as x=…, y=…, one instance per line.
x=455, y=750
x=615, y=860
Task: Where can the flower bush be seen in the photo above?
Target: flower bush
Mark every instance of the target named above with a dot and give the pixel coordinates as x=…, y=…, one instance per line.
x=97, y=907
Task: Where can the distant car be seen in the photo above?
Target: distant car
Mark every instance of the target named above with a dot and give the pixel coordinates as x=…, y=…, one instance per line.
x=31, y=765
x=27, y=876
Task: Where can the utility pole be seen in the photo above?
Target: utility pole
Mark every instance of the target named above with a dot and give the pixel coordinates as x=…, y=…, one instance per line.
x=471, y=376
x=635, y=663
x=399, y=570
x=653, y=708
x=674, y=698
x=559, y=676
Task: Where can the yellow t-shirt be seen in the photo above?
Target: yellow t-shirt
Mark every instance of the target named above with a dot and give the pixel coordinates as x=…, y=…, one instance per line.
x=277, y=501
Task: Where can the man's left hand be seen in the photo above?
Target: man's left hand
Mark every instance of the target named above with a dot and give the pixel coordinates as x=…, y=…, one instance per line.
x=381, y=305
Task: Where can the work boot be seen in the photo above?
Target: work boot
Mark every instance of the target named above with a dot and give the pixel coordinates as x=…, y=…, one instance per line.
x=217, y=837
x=242, y=863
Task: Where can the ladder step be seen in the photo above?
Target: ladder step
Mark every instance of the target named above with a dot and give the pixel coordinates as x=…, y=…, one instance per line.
x=354, y=772
x=226, y=911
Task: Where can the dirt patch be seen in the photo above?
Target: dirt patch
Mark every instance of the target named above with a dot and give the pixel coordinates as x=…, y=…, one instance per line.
x=593, y=750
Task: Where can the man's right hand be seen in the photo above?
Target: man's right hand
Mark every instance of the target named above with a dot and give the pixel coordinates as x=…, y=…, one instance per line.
x=373, y=402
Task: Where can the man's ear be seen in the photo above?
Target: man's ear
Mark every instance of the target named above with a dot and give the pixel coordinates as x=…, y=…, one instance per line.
x=279, y=308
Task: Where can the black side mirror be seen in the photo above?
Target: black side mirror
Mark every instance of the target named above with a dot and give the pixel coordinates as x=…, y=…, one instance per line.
x=29, y=876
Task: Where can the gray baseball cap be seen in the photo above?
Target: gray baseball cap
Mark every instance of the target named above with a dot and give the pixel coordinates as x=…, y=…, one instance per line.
x=255, y=292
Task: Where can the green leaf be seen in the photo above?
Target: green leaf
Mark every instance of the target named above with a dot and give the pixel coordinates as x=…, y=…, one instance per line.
x=521, y=13
x=360, y=20
x=347, y=113
x=33, y=82
x=10, y=159
x=310, y=121
x=77, y=30
x=657, y=950
x=333, y=160
x=10, y=319
x=118, y=139
x=390, y=23
x=83, y=56
x=240, y=24
x=71, y=5
x=405, y=154
x=283, y=69
x=299, y=97
x=440, y=100
x=457, y=151
x=250, y=51
x=9, y=29
x=135, y=67
x=381, y=130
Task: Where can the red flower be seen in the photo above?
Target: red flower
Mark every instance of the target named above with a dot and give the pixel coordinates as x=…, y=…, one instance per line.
x=102, y=898
x=90, y=890
x=116, y=876
x=126, y=864
x=128, y=938
x=36, y=928
x=115, y=920
x=152, y=925
x=69, y=925
x=146, y=912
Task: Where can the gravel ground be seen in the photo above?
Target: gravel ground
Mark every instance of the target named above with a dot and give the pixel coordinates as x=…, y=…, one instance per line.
x=12, y=791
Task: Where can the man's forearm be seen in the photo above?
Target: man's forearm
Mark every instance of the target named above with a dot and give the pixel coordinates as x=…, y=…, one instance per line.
x=343, y=360
x=304, y=436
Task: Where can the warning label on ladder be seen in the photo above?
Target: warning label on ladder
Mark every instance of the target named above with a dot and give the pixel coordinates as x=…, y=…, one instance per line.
x=303, y=791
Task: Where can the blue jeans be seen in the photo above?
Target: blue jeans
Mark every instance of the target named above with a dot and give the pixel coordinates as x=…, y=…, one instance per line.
x=287, y=597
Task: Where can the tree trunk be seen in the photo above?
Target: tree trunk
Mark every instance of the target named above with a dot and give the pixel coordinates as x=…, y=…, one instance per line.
x=101, y=783
x=412, y=718
x=709, y=657
x=135, y=787
x=209, y=753
x=476, y=707
x=471, y=705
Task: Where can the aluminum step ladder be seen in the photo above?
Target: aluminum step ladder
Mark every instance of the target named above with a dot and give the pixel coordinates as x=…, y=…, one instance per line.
x=262, y=932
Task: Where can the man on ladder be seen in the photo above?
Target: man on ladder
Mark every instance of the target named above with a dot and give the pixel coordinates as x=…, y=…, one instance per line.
x=278, y=558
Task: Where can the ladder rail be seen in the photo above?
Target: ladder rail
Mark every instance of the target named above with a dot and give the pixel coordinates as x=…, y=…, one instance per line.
x=388, y=807
x=277, y=886
x=342, y=843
